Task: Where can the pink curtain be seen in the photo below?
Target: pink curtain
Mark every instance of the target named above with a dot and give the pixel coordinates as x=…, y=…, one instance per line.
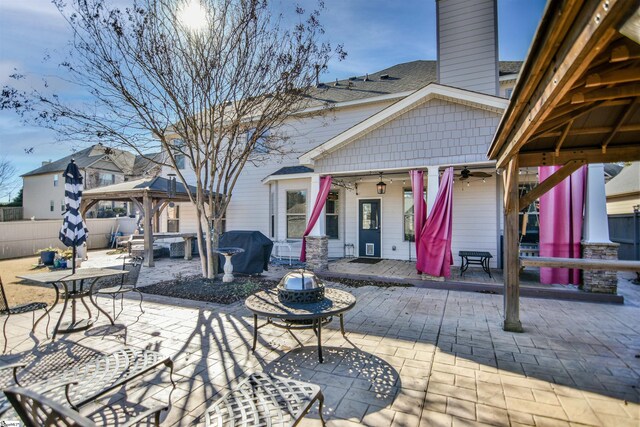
x=435, y=256
x=561, y=215
x=419, y=206
x=325, y=186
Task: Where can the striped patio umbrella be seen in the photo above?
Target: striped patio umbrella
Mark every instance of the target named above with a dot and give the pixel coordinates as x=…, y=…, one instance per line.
x=73, y=232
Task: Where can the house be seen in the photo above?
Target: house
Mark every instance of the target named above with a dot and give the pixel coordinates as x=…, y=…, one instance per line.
x=419, y=115
x=43, y=188
x=623, y=191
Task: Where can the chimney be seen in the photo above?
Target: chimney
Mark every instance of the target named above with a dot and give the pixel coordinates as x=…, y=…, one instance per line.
x=468, y=44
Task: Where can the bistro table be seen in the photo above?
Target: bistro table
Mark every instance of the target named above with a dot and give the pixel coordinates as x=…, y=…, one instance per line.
x=60, y=281
x=298, y=315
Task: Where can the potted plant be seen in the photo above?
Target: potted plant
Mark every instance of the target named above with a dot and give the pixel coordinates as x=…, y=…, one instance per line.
x=47, y=255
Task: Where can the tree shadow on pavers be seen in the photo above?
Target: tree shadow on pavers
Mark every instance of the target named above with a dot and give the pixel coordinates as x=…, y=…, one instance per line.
x=208, y=359
x=351, y=379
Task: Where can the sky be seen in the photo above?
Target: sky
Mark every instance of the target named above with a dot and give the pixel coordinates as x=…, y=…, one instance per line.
x=375, y=33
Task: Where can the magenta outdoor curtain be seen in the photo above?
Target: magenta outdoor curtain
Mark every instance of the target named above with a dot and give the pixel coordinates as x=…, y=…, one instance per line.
x=434, y=255
x=419, y=206
x=325, y=186
x=561, y=217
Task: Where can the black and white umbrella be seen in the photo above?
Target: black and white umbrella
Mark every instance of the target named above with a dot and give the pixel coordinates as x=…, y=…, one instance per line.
x=73, y=232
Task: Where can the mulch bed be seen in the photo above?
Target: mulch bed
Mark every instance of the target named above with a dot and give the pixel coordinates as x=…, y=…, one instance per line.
x=210, y=290
x=360, y=283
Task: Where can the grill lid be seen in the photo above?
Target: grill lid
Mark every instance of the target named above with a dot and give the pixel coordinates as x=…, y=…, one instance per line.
x=299, y=280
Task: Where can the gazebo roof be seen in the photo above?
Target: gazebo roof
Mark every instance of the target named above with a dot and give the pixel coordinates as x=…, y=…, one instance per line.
x=577, y=96
x=154, y=186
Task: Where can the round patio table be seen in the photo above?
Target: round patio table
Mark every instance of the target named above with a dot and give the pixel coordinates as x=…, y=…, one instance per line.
x=291, y=316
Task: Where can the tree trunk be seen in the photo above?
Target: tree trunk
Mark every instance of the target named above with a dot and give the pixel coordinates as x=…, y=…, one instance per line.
x=215, y=241
x=201, y=251
x=211, y=273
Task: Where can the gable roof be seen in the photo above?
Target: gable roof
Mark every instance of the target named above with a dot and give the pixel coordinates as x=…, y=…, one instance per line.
x=430, y=91
x=87, y=157
x=405, y=77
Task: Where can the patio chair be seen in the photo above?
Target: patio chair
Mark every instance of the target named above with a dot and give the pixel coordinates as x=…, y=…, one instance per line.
x=36, y=410
x=265, y=400
x=7, y=311
x=127, y=284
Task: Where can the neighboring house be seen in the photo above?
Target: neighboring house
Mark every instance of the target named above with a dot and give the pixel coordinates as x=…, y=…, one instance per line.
x=418, y=115
x=623, y=190
x=43, y=188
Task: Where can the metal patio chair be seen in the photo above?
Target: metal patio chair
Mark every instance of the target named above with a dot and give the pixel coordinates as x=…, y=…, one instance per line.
x=6, y=311
x=127, y=284
x=36, y=410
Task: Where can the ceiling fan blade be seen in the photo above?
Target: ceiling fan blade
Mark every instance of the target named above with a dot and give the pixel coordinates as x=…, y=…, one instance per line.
x=480, y=174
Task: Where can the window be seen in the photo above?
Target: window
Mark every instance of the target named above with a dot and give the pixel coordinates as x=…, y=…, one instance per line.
x=508, y=92
x=105, y=179
x=261, y=146
x=63, y=207
x=173, y=218
x=296, y=213
x=332, y=209
x=409, y=232
x=55, y=180
x=51, y=206
x=180, y=158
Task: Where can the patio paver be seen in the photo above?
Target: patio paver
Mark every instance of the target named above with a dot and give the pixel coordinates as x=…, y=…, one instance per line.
x=412, y=357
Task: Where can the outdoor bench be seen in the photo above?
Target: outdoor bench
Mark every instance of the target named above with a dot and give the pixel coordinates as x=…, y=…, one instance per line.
x=480, y=258
x=85, y=382
x=265, y=400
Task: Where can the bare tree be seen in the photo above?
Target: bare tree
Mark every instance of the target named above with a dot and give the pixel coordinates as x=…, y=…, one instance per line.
x=7, y=177
x=210, y=81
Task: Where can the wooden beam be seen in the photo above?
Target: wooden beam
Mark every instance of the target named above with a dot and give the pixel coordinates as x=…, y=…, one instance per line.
x=511, y=250
x=625, y=51
x=594, y=131
x=556, y=178
x=621, y=119
x=622, y=91
x=148, y=230
x=628, y=153
x=565, y=132
x=625, y=75
x=581, y=263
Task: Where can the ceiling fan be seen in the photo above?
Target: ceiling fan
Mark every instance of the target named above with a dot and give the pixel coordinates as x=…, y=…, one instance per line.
x=466, y=174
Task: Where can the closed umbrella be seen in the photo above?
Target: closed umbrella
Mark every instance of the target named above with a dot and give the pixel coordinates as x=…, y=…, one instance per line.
x=73, y=233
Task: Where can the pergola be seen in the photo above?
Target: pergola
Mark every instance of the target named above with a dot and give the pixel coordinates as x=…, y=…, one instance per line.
x=151, y=195
x=576, y=102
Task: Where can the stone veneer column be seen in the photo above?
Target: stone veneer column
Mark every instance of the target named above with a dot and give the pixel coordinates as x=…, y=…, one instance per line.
x=317, y=253
x=596, y=243
x=605, y=282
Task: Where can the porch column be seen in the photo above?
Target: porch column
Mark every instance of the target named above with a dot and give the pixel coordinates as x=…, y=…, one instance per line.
x=511, y=249
x=148, y=230
x=596, y=243
x=433, y=182
x=317, y=242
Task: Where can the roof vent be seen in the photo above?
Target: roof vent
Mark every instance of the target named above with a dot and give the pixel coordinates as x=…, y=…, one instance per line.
x=366, y=77
x=336, y=83
x=384, y=77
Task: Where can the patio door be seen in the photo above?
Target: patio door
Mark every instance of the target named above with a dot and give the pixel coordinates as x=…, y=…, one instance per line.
x=369, y=228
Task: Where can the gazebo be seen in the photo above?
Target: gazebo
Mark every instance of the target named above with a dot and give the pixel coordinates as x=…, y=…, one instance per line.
x=576, y=103
x=151, y=195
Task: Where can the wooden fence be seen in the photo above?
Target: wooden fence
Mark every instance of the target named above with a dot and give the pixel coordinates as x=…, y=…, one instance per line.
x=24, y=238
x=10, y=213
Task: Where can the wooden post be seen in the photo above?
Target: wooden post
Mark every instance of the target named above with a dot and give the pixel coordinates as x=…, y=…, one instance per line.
x=511, y=249
x=148, y=230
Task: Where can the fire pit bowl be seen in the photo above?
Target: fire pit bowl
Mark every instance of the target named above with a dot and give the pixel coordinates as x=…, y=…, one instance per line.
x=300, y=287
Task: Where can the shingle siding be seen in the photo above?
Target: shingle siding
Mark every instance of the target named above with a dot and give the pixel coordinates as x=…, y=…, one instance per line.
x=427, y=135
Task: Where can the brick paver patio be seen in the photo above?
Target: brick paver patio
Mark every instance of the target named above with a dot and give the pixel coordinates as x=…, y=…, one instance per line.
x=412, y=357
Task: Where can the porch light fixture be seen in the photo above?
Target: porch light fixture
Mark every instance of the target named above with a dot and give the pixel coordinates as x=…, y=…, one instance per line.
x=381, y=186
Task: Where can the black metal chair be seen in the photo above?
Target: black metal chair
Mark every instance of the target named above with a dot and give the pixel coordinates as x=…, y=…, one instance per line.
x=127, y=284
x=7, y=311
x=36, y=410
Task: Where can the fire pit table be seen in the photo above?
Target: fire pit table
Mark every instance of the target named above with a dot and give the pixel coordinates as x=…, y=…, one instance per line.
x=281, y=312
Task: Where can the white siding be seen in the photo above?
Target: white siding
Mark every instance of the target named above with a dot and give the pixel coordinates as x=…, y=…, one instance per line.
x=622, y=205
x=467, y=45
x=38, y=192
